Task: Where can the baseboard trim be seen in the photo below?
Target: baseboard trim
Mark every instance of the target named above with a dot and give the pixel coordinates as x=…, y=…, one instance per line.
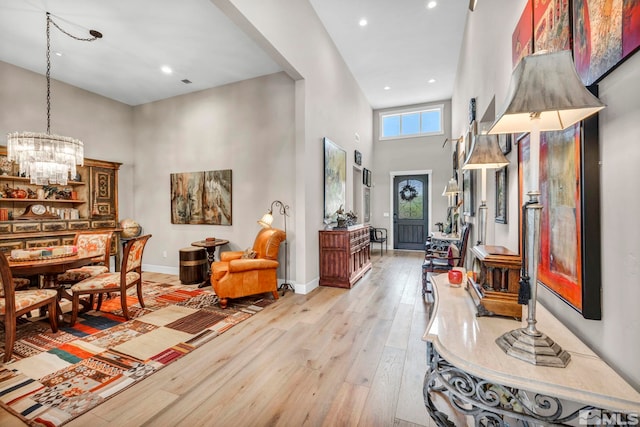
x=161, y=269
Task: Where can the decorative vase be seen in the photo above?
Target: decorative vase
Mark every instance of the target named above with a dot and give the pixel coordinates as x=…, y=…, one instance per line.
x=455, y=278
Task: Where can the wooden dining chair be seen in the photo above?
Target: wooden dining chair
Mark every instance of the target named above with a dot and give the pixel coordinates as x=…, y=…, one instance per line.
x=89, y=241
x=130, y=275
x=14, y=304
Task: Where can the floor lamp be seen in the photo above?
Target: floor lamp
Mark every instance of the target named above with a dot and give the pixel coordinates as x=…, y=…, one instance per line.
x=545, y=94
x=266, y=221
x=485, y=154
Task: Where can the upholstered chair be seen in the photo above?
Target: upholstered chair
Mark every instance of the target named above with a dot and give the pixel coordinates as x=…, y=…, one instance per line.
x=442, y=262
x=130, y=275
x=243, y=273
x=89, y=241
x=14, y=304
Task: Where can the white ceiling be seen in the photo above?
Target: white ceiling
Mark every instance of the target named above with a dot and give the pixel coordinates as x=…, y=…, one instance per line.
x=401, y=47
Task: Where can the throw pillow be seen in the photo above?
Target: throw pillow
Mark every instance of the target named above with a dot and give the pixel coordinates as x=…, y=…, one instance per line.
x=249, y=254
x=453, y=254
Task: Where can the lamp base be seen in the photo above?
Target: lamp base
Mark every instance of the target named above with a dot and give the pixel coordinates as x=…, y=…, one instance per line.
x=535, y=349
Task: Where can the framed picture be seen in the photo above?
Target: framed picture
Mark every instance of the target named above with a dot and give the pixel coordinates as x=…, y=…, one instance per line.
x=335, y=178
x=201, y=197
x=569, y=262
x=504, y=140
x=501, y=195
x=604, y=34
x=364, y=176
x=522, y=37
x=551, y=27
x=366, y=194
x=357, y=157
x=468, y=202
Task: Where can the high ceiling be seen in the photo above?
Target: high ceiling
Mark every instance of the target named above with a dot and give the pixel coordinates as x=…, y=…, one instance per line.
x=402, y=48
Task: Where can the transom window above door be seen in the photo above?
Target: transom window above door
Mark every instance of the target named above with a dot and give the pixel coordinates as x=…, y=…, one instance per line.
x=411, y=123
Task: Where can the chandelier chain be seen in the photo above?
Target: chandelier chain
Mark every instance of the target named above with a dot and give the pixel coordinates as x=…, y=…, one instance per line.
x=48, y=74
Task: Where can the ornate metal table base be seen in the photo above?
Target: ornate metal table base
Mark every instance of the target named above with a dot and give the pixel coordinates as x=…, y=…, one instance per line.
x=493, y=404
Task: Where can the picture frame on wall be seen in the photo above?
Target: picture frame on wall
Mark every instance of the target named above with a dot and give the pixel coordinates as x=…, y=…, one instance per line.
x=569, y=264
x=201, y=197
x=504, y=140
x=335, y=178
x=357, y=157
x=501, y=195
x=366, y=194
x=468, y=202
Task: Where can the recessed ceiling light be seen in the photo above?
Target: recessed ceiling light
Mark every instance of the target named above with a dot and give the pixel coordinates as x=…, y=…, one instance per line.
x=432, y=80
x=166, y=69
x=363, y=22
x=387, y=87
x=432, y=4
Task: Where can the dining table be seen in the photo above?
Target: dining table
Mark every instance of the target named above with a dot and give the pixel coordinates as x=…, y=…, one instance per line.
x=49, y=268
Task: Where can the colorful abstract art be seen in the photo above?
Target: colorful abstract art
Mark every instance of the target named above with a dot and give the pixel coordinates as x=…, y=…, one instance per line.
x=55, y=377
x=605, y=33
x=522, y=38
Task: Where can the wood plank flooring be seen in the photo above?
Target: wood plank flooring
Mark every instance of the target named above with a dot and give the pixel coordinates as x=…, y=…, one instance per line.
x=334, y=357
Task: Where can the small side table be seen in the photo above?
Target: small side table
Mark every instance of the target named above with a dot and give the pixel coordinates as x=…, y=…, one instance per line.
x=209, y=246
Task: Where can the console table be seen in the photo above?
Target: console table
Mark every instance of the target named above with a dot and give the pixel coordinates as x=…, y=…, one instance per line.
x=472, y=376
x=439, y=242
x=344, y=256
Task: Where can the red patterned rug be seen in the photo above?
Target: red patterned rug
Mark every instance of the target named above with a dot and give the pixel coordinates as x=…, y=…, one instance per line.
x=53, y=378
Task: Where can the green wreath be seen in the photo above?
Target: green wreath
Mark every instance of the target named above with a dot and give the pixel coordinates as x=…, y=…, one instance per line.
x=408, y=193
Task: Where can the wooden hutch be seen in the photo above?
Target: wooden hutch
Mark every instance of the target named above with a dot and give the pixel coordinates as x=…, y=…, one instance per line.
x=88, y=202
x=344, y=255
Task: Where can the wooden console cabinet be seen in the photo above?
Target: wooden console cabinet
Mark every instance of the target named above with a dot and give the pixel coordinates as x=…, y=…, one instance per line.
x=344, y=256
x=496, y=288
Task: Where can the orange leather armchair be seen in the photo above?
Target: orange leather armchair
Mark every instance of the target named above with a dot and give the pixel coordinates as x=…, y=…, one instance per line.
x=235, y=277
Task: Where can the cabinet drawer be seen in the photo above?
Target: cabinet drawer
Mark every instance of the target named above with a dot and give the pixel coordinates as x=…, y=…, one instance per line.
x=26, y=227
x=42, y=243
x=79, y=225
x=67, y=240
x=103, y=224
x=5, y=228
x=10, y=245
x=54, y=226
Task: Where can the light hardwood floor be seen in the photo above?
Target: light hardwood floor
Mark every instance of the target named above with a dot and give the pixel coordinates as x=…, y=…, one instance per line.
x=334, y=357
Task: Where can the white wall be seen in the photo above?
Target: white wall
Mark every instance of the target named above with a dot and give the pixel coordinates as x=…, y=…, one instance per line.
x=484, y=71
x=247, y=127
x=105, y=126
x=411, y=154
x=329, y=103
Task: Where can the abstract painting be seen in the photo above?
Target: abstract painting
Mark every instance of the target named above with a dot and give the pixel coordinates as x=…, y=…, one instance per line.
x=569, y=230
x=201, y=197
x=522, y=38
x=551, y=27
x=335, y=179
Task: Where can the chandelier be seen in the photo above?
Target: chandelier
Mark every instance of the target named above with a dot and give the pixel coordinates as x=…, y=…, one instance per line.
x=44, y=157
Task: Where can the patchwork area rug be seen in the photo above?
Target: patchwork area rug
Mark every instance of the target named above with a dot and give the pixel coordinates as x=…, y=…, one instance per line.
x=55, y=377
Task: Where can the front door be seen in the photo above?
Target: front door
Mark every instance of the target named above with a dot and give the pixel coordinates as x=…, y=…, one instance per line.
x=410, y=210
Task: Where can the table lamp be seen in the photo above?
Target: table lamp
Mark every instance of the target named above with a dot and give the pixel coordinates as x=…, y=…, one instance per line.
x=545, y=94
x=485, y=154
